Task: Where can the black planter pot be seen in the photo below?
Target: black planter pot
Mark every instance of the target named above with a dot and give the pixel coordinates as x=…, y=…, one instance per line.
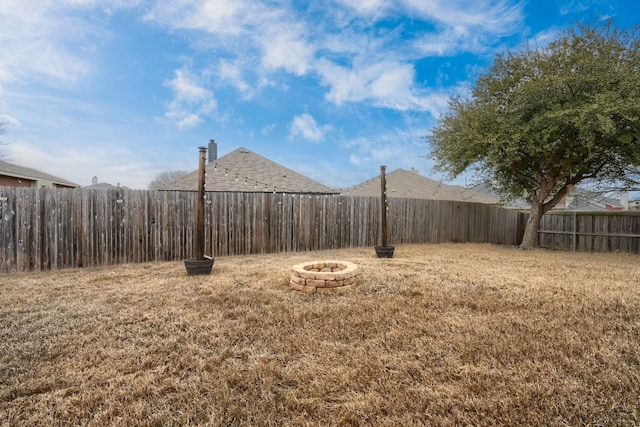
x=197, y=266
x=385, y=251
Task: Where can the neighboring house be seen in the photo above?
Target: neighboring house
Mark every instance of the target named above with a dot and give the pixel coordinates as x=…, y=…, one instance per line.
x=245, y=171
x=19, y=176
x=584, y=200
x=95, y=185
x=577, y=199
x=409, y=184
x=518, y=203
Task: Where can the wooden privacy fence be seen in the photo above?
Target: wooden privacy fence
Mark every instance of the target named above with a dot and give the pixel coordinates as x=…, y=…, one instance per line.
x=591, y=231
x=43, y=229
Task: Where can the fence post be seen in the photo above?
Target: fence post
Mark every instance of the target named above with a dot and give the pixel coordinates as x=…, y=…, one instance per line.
x=198, y=239
x=383, y=204
x=575, y=231
x=384, y=250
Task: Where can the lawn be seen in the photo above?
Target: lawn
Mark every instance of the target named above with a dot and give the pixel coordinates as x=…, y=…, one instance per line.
x=442, y=335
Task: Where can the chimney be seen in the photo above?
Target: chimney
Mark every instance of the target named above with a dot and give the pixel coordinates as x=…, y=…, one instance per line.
x=624, y=200
x=213, y=150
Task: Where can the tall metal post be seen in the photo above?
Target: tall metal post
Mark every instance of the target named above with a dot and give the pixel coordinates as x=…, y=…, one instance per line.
x=198, y=238
x=383, y=204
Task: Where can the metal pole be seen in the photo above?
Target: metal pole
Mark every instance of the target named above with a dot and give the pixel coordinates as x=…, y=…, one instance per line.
x=383, y=204
x=198, y=238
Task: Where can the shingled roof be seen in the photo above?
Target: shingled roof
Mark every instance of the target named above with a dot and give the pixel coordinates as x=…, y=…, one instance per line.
x=21, y=172
x=245, y=171
x=409, y=184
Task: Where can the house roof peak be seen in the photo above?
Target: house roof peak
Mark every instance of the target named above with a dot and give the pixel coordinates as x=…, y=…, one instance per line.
x=245, y=171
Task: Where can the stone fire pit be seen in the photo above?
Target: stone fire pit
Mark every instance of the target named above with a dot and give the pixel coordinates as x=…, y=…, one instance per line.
x=324, y=276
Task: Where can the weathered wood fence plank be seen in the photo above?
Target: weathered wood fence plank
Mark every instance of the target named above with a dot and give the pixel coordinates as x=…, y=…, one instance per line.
x=42, y=229
x=591, y=231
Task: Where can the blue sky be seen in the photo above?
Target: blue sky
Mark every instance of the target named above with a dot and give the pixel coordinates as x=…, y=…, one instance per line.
x=125, y=89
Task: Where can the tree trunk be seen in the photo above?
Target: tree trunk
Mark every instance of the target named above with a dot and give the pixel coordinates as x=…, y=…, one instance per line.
x=530, y=237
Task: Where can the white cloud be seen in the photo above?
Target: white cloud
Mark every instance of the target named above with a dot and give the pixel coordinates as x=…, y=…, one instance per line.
x=53, y=42
x=110, y=163
x=543, y=38
x=44, y=40
x=366, y=7
x=287, y=50
x=221, y=17
x=493, y=16
x=272, y=34
x=231, y=73
x=374, y=150
x=6, y=119
x=466, y=26
x=191, y=101
x=403, y=148
x=306, y=127
x=336, y=42
x=187, y=89
x=268, y=129
x=384, y=84
x=346, y=84
x=265, y=83
x=238, y=75
x=447, y=42
x=394, y=83
x=576, y=6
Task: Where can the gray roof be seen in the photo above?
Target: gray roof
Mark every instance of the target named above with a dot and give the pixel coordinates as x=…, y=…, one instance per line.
x=584, y=200
x=102, y=186
x=409, y=184
x=515, y=203
x=245, y=171
x=16, y=171
x=579, y=199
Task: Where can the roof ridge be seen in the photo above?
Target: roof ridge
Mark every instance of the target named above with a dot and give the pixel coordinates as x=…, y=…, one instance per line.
x=28, y=173
x=242, y=167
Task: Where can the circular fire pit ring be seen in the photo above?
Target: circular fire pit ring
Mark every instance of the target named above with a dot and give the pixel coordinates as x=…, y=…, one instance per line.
x=324, y=276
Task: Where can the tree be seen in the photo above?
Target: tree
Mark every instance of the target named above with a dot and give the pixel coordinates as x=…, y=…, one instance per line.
x=542, y=120
x=165, y=178
x=632, y=179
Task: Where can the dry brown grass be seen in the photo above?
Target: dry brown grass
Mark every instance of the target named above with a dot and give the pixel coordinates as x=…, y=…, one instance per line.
x=451, y=334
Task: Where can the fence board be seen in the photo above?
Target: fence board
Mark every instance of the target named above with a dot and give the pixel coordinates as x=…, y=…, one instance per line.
x=591, y=231
x=44, y=229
